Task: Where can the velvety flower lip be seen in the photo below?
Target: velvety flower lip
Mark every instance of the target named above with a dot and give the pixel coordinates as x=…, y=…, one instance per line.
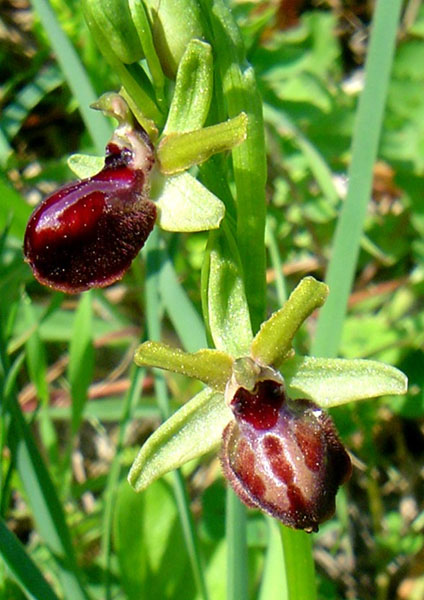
x=280, y=455
x=87, y=233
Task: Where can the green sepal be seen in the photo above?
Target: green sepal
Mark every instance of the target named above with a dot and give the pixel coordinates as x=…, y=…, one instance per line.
x=227, y=310
x=85, y=166
x=333, y=381
x=185, y=204
x=142, y=26
x=193, y=89
x=193, y=430
x=113, y=19
x=213, y=367
x=180, y=151
x=272, y=344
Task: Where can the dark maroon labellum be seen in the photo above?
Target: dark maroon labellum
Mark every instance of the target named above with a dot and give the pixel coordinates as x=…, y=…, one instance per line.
x=87, y=233
x=283, y=456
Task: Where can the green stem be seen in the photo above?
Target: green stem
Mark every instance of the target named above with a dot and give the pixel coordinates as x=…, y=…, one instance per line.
x=299, y=564
x=237, y=575
x=366, y=136
x=249, y=159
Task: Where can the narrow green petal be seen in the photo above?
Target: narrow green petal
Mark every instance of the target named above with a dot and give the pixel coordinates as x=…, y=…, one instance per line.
x=180, y=151
x=213, y=367
x=186, y=205
x=334, y=381
x=193, y=430
x=273, y=341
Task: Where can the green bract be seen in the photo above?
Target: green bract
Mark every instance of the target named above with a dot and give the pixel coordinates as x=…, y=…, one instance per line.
x=197, y=427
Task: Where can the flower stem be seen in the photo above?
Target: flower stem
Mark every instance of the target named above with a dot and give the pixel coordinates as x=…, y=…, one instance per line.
x=299, y=564
x=237, y=576
x=249, y=159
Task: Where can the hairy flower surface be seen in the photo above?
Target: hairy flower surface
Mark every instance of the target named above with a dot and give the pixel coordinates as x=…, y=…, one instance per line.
x=283, y=456
x=87, y=233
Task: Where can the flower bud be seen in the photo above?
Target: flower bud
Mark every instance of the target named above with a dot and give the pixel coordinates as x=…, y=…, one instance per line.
x=87, y=233
x=110, y=22
x=281, y=455
x=174, y=23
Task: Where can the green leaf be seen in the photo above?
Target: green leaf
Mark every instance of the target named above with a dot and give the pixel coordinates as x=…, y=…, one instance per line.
x=75, y=74
x=179, y=307
x=23, y=568
x=273, y=583
x=273, y=341
x=227, y=308
x=193, y=430
x=186, y=205
x=151, y=567
x=81, y=358
x=213, y=367
x=180, y=151
x=85, y=166
x=14, y=211
x=334, y=381
x=14, y=115
x=44, y=502
x=365, y=145
x=193, y=89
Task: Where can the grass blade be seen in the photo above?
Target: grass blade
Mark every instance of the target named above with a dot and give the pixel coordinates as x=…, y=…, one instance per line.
x=75, y=75
x=366, y=137
x=81, y=358
x=23, y=568
x=26, y=99
x=179, y=307
x=153, y=325
x=44, y=502
x=111, y=491
x=273, y=585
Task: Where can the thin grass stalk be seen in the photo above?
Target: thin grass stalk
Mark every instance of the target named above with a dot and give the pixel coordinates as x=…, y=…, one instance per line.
x=153, y=320
x=75, y=74
x=366, y=136
x=273, y=583
x=23, y=568
x=114, y=476
x=277, y=266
